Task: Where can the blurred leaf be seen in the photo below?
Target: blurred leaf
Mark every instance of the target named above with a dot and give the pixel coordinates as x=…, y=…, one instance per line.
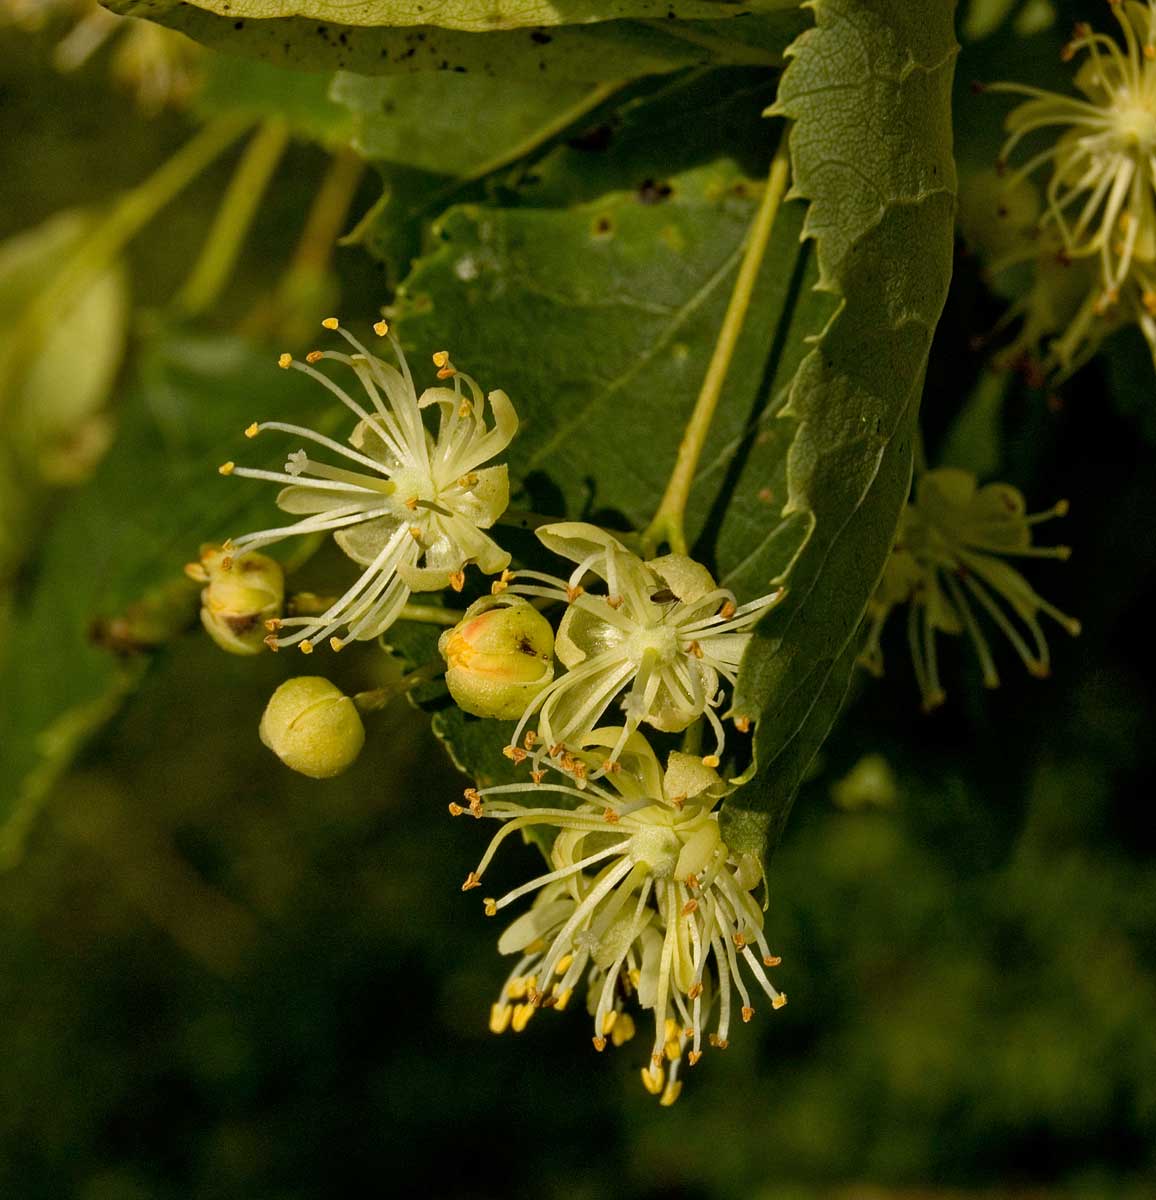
x=974, y=440
x=54, y=382
x=871, y=151
x=601, y=50
x=247, y=87
x=109, y=580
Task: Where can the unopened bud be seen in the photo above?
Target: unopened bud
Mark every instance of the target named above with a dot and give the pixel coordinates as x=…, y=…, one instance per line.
x=313, y=727
x=498, y=657
x=242, y=592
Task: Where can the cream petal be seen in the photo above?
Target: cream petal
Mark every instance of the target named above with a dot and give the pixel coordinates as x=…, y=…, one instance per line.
x=577, y=540
x=487, y=499
x=583, y=634
x=301, y=499
x=687, y=776
x=687, y=579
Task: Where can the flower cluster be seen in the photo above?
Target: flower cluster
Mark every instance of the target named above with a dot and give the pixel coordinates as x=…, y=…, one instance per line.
x=953, y=541
x=1100, y=196
x=643, y=900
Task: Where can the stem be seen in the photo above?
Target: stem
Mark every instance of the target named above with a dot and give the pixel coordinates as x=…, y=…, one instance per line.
x=378, y=698
x=667, y=525
x=234, y=217
x=289, y=311
x=430, y=614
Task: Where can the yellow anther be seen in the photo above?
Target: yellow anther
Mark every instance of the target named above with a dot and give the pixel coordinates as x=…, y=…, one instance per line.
x=693, y=1057
x=671, y=1093
x=678, y=801
x=728, y=610
x=411, y=504
x=695, y=649
x=609, y=816
x=599, y=1044
x=457, y=580
x=306, y=647
x=226, y=563
x=562, y=998
x=446, y=373
x=415, y=532
x=227, y=468
x=456, y=810
x=710, y=760
x=491, y=906
x=695, y=990
x=516, y=988
x=314, y=356
x=740, y=939
x=635, y=976
x=623, y=1029
x=464, y=409
x=441, y=358
x=468, y=481
x=285, y=361
x=498, y=587
x=748, y=1012
x=563, y=964
x=572, y=593
x=692, y=882
x=718, y=1042
x=673, y=1051
x=537, y=776
x=472, y=881
x=530, y=740
x=608, y=1020
x=274, y=623
x=615, y=601
x=521, y=1017
x=270, y=640
x=381, y=328
x=689, y=907
x=500, y=1015
x=652, y=1079
x=743, y=724
x=251, y=431
x=515, y=754
x=771, y=960
x=330, y=323
x=669, y=1029
x=779, y=1001
x=336, y=644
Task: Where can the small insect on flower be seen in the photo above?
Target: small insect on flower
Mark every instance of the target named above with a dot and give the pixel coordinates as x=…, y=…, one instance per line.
x=413, y=512
x=663, y=629
x=953, y=539
x=644, y=898
x=1101, y=194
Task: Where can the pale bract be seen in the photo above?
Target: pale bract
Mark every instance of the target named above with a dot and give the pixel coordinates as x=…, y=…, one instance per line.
x=643, y=901
x=663, y=636
x=953, y=541
x=407, y=504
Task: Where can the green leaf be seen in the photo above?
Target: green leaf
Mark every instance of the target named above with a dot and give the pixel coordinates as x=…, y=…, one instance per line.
x=109, y=583
x=871, y=151
x=484, y=16
x=603, y=50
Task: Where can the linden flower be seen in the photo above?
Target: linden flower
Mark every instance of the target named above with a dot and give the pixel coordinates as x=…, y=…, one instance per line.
x=1100, y=196
x=644, y=898
x=664, y=630
x=412, y=515
x=953, y=539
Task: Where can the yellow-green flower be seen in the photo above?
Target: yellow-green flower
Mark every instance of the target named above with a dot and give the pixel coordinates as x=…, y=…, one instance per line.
x=1100, y=195
x=413, y=511
x=663, y=632
x=643, y=899
x=954, y=540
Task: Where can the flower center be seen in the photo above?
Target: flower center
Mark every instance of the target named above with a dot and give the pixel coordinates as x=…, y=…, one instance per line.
x=661, y=639
x=1135, y=126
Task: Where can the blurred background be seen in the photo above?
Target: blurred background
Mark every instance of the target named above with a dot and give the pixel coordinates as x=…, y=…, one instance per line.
x=219, y=979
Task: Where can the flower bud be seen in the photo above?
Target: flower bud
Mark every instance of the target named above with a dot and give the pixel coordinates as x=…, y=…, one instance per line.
x=499, y=656
x=313, y=727
x=243, y=592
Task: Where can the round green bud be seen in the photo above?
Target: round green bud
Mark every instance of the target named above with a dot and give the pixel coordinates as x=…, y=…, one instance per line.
x=242, y=592
x=498, y=657
x=313, y=727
